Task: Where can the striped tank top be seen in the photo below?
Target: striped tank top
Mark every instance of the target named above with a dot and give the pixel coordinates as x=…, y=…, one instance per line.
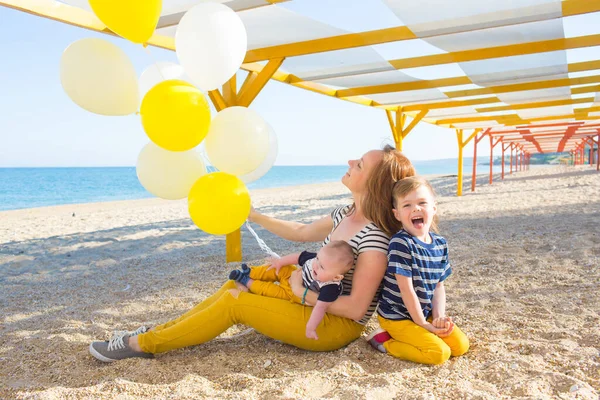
x=370, y=238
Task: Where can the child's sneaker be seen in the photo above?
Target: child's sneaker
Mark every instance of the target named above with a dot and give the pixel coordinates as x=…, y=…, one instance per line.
x=377, y=338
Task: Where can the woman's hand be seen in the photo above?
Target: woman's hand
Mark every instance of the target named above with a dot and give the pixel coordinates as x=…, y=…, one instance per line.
x=253, y=213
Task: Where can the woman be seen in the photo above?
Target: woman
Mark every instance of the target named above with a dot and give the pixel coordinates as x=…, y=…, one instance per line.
x=366, y=225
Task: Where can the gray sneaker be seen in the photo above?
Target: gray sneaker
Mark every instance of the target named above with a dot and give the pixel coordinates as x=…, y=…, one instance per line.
x=138, y=331
x=117, y=348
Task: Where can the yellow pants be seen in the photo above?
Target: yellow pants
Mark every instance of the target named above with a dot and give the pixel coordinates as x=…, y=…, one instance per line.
x=264, y=285
x=275, y=318
x=414, y=343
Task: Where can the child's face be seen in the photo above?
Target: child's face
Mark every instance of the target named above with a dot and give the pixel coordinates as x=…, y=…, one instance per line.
x=326, y=267
x=415, y=211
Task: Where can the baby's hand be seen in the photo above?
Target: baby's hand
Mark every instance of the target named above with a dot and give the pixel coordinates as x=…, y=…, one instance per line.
x=445, y=324
x=274, y=263
x=311, y=334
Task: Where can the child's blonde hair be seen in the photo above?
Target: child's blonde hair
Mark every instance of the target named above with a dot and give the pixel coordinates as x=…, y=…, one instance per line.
x=404, y=186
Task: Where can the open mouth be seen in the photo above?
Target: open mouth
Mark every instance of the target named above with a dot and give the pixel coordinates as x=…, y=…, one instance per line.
x=418, y=222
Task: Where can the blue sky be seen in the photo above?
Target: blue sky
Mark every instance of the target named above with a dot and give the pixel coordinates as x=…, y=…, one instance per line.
x=41, y=126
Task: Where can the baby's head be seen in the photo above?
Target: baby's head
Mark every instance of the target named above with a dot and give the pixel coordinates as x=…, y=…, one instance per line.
x=333, y=261
x=414, y=206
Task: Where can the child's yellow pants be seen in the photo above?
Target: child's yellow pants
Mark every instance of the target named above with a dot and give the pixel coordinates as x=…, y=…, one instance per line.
x=263, y=282
x=414, y=343
x=278, y=319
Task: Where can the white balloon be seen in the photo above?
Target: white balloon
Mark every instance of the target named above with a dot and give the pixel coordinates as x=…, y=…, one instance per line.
x=237, y=141
x=168, y=174
x=211, y=44
x=267, y=163
x=99, y=77
x=161, y=71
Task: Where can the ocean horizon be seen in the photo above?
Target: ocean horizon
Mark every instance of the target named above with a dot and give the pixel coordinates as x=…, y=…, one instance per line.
x=32, y=187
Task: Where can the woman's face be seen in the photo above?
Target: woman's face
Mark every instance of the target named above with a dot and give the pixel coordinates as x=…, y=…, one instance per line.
x=360, y=170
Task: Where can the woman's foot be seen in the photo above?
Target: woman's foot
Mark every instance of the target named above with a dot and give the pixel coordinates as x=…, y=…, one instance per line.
x=117, y=348
x=138, y=331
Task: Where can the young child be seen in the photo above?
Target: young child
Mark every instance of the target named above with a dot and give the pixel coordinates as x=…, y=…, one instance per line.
x=321, y=272
x=412, y=307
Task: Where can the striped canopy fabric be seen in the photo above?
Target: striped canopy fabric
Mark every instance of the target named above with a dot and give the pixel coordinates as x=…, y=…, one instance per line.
x=524, y=70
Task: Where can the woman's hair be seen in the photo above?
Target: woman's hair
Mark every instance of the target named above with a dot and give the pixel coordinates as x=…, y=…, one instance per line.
x=405, y=186
x=377, y=202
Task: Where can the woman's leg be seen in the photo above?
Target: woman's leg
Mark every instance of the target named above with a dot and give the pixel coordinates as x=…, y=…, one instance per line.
x=207, y=302
x=275, y=318
x=413, y=343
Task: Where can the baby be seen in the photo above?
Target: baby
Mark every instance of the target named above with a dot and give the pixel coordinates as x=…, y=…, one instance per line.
x=321, y=272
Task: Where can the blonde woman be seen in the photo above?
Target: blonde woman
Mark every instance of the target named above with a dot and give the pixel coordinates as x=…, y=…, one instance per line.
x=366, y=225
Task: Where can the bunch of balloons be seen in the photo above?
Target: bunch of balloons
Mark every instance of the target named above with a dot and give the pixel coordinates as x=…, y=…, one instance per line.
x=211, y=45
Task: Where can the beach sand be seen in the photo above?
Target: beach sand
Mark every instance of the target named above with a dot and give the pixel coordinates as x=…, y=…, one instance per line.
x=526, y=259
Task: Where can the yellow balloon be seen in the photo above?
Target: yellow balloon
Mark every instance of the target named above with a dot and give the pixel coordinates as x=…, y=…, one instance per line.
x=219, y=203
x=175, y=115
x=134, y=20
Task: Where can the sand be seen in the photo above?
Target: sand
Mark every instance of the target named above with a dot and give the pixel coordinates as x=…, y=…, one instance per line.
x=526, y=259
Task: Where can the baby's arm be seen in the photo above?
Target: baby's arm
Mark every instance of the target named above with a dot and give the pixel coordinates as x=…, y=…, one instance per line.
x=289, y=259
x=315, y=319
x=411, y=301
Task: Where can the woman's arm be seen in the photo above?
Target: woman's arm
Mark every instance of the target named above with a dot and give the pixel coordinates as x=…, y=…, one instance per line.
x=294, y=231
x=369, y=271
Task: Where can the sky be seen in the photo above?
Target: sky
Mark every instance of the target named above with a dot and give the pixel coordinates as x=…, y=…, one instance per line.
x=41, y=127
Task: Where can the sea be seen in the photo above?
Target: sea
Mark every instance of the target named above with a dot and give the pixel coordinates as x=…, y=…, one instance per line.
x=39, y=187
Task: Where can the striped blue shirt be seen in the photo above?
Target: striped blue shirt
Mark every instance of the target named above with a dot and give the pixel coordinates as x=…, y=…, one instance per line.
x=427, y=264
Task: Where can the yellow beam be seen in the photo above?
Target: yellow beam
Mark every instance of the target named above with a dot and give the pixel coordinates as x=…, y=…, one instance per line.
x=404, y=86
x=542, y=46
x=399, y=135
x=249, y=81
x=461, y=146
x=233, y=246
x=438, y=83
x=392, y=123
x=485, y=100
x=332, y=43
x=414, y=123
x=252, y=89
x=584, y=66
x=539, y=104
x=451, y=104
x=514, y=119
x=217, y=100
x=519, y=87
x=475, y=132
x=459, y=183
x=395, y=34
x=230, y=91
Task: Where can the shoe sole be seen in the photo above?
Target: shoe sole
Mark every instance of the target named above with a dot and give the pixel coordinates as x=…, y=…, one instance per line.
x=99, y=356
x=374, y=333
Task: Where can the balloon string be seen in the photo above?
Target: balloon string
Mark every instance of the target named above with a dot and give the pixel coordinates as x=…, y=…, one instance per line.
x=261, y=242
x=147, y=50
